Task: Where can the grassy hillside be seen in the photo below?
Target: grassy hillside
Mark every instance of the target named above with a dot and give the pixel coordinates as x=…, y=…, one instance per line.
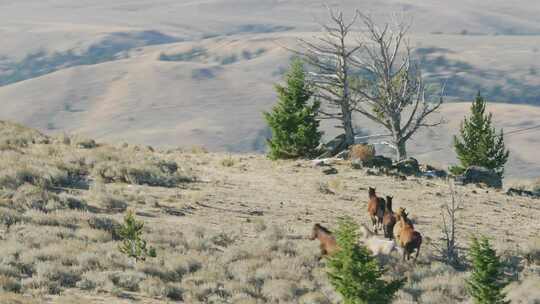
x=227, y=228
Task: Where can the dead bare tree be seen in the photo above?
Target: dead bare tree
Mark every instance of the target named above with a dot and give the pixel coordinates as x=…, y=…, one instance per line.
x=449, y=248
x=332, y=60
x=392, y=93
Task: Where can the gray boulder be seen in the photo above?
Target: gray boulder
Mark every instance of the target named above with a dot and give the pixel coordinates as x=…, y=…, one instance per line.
x=521, y=192
x=480, y=175
x=330, y=171
x=408, y=167
x=377, y=161
x=334, y=146
x=432, y=172
x=343, y=154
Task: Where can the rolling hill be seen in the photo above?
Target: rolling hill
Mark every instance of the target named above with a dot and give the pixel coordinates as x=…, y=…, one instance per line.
x=185, y=73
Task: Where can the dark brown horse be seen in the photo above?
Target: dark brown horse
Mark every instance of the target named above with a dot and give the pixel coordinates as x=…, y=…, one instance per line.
x=389, y=219
x=375, y=209
x=328, y=241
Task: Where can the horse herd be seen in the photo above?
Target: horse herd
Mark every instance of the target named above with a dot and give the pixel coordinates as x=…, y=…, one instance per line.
x=398, y=229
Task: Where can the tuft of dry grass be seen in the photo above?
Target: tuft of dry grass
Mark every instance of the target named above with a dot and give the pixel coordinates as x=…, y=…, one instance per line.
x=362, y=152
x=228, y=161
x=198, y=150
x=111, y=202
x=331, y=186
x=531, y=251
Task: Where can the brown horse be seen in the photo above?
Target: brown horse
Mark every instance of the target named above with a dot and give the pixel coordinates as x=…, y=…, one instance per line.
x=328, y=241
x=409, y=239
x=397, y=227
x=389, y=219
x=375, y=209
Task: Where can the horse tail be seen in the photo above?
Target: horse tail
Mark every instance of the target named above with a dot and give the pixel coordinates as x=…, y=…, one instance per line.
x=418, y=243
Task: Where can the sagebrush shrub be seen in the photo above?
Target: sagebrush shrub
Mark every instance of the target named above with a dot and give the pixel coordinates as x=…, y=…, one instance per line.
x=128, y=280
x=33, y=197
x=15, y=172
x=141, y=172
x=10, y=284
x=19, y=136
x=154, y=287
x=10, y=217
x=106, y=224
x=53, y=276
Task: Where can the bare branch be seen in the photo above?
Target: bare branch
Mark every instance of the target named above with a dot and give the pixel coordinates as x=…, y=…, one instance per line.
x=332, y=60
x=395, y=96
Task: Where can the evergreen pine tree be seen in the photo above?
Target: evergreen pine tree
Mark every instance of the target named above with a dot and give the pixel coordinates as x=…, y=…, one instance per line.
x=133, y=245
x=479, y=144
x=486, y=282
x=293, y=120
x=355, y=274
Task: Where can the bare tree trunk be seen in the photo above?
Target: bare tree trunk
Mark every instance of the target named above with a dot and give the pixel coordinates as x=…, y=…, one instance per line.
x=399, y=144
x=348, y=126
x=331, y=60
x=346, y=95
x=401, y=149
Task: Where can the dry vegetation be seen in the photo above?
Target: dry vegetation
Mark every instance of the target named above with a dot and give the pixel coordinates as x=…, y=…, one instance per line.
x=227, y=228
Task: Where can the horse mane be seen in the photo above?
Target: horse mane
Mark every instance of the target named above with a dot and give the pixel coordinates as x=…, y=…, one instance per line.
x=322, y=228
x=406, y=220
x=371, y=192
x=401, y=212
x=388, y=206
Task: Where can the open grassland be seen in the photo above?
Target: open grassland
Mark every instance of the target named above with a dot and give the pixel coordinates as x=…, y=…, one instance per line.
x=227, y=228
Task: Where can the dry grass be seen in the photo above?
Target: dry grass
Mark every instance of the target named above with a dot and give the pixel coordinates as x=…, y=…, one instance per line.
x=524, y=291
x=228, y=161
x=536, y=186
x=238, y=236
x=362, y=152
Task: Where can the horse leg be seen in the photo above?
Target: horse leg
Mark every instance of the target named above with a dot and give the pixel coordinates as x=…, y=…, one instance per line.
x=374, y=223
x=390, y=233
x=408, y=250
x=323, y=250
x=417, y=252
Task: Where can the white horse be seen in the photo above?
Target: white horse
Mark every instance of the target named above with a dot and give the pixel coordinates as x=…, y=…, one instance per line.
x=377, y=245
